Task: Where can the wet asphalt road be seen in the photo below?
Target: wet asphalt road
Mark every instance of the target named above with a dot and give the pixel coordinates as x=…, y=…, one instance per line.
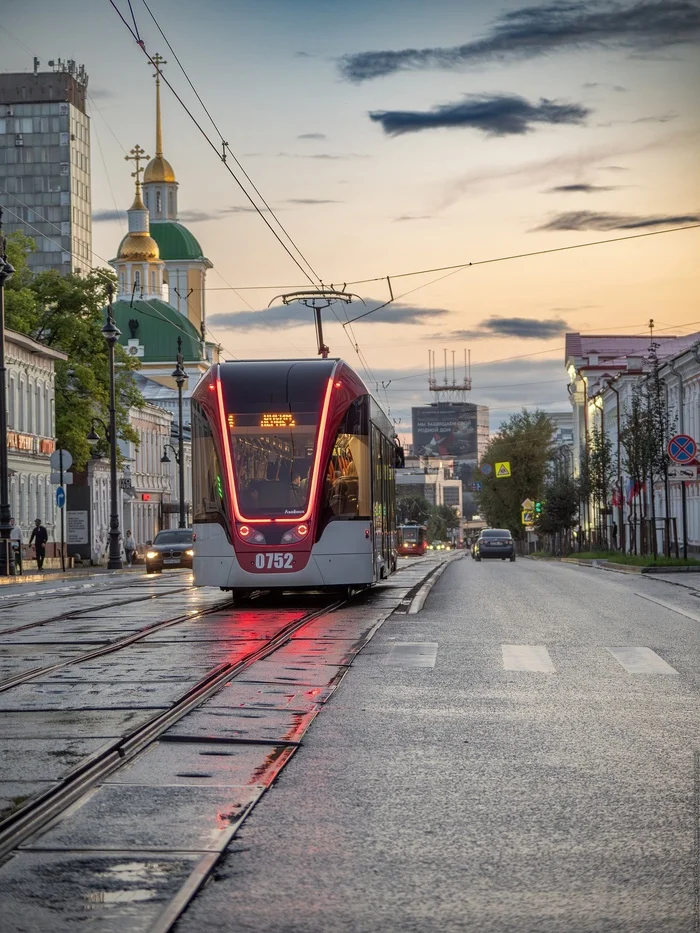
x=501, y=762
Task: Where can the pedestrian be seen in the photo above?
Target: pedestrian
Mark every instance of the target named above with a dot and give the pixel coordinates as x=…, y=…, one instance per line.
x=16, y=543
x=613, y=533
x=130, y=547
x=39, y=536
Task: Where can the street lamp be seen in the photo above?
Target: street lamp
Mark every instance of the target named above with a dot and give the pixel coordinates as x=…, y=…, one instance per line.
x=180, y=377
x=111, y=333
x=7, y=559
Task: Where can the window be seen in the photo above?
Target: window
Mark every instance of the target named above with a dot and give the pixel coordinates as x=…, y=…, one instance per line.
x=208, y=497
x=159, y=201
x=346, y=492
x=137, y=280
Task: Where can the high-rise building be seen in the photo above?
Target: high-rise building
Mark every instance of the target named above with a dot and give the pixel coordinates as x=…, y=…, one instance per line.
x=45, y=164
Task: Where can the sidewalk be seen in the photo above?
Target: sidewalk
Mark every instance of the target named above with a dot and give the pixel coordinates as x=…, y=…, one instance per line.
x=36, y=576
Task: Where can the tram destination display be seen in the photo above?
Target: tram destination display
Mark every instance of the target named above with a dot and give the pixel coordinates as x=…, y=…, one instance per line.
x=449, y=431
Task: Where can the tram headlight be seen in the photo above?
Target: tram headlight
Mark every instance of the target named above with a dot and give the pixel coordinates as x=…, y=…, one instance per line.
x=295, y=534
x=251, y=535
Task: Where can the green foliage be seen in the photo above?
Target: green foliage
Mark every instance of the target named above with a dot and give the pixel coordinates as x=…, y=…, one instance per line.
x=67, y=313
x=560, y=507
x=525, y=441
x=442, y=520
x=413, y=510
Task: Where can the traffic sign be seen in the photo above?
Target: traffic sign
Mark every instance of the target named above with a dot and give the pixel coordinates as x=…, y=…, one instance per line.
x=682, y=474
x=60, y=497
x=61, y=460
x=502, y=469
x=527, y=504
x=486, y=469
x=527, y=517
x=55, y=479
x=682, y=448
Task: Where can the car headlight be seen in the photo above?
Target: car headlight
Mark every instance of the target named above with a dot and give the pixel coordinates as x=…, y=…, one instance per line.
x=189, y=553
x=151, y=554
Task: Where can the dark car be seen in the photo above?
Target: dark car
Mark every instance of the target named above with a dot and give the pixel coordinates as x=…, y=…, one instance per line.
x=494, y=543
x=170, y=549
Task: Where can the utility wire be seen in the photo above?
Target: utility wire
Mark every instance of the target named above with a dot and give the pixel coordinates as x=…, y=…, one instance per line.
x=451, y=270
x=222, y=158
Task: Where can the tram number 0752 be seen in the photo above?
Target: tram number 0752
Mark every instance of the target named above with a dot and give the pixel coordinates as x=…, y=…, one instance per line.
x=274, y=561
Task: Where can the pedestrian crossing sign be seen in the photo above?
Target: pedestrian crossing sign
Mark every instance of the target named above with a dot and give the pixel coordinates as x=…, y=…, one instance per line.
x=502, y=469
x=527, y=517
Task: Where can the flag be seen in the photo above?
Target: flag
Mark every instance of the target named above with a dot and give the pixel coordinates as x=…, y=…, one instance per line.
x=616, y=497
x=634, y=489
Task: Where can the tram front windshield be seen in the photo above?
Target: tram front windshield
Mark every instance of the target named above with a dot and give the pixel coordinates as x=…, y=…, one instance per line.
x=273, y=455
x=409, y=534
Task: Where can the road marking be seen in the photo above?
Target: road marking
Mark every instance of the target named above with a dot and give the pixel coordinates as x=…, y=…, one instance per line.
x=413, y=654
x=637, y=660
x=527, y=658
x=660, y=602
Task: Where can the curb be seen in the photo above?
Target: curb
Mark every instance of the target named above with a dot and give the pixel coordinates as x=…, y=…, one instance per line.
x=422, y=594
x=50, y=576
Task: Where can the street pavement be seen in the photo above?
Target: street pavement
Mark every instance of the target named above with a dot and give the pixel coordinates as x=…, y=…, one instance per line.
x=520, y=757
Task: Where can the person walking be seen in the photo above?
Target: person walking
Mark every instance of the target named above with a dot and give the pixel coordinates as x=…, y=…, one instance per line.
x=130, y=548
x=39, y=537
x=16, y=544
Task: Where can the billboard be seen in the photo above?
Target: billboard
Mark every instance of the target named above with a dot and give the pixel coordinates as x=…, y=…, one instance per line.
x=446, y=430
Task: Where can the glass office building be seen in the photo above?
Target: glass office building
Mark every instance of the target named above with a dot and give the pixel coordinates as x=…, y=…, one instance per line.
x=45, y=165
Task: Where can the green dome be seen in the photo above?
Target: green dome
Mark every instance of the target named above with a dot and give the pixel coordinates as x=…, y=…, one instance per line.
x=159, y=326
x=175, y=241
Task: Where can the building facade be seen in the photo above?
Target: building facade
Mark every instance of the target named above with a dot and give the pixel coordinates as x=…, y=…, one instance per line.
x=45, y=165
x=606, y=373
x=31, y=431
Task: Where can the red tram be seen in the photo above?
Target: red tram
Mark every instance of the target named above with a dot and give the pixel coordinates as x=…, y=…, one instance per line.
x=293, y=478
x=413, y=540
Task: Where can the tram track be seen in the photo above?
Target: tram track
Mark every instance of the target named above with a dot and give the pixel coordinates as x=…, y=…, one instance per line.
x=29, y=819
x=75, y=613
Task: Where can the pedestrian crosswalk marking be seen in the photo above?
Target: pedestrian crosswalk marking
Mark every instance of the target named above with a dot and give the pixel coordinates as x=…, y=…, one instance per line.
x=639, y=660
x=527, y=658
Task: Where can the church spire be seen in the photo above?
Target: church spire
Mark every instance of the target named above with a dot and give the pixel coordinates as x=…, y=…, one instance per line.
x=158, y=170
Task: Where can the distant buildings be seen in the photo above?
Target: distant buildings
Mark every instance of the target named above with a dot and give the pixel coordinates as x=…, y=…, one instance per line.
x=45, y=164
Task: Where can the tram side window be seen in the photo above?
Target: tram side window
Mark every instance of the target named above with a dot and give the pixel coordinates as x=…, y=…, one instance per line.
x=207, y=477
x=347, y=481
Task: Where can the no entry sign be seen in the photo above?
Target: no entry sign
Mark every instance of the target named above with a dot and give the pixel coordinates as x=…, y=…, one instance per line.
x=682, y=448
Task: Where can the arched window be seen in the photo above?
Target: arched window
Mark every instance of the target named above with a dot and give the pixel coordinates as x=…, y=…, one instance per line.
x=153, y=280
x=159, y=201
x=29, y=416
x=171, y=203
x=21, y=426
x=38, y=408
x=11, y=404
x=137, y=280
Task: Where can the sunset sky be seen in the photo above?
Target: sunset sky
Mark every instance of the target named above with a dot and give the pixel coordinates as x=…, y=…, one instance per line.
x=391, y=136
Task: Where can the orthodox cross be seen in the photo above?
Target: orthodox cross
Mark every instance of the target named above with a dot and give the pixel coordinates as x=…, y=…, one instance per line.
x=137, y=155
x=158, y=60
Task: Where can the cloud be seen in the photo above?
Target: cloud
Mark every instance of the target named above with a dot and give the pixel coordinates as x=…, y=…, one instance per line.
x=105, y=214
x=534, y=31
x=405, y=217
x=612, y=87
x=196, y=216
x=296, y=315
x=580, y=189
x=312, y=136
x=312, y=201
x=323, y=156
x=524, y=328
x=496, y=115
x=100, y=93
x=589, y=220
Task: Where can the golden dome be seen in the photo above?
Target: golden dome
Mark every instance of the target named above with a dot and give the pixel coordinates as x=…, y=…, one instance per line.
x=139, y=247
x=159, y=169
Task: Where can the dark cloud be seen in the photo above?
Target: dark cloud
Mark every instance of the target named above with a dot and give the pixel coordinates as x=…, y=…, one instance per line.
x=580, y=189
x=312, y=136
x=590, y=220
x=100, y=216
x=533, y=31
x=603, y=84
x=652, y=118
x=241, y=209
x=312, y=201
x=405, y=217
x=497, y=115
x=100, y=93
x=295, y=315
x=195, y=216
x=524, y=328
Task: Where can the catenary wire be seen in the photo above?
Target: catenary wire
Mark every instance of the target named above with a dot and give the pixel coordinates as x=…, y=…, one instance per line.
x=222, y=159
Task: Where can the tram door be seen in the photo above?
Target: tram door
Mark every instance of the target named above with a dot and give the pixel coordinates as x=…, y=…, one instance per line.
x=382, y=506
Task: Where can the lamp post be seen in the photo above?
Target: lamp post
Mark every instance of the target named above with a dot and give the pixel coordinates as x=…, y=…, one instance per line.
x=7, y=559
x=180, y=377
x=111, y=333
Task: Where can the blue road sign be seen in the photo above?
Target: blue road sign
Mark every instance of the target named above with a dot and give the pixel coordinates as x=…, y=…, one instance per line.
x=60, y=496
x=486, y=469
x=682, y=448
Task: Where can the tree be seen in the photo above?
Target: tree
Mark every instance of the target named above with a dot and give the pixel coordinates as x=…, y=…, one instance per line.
x=560, y=510
x=600, y=474
x=67, y=313
x=441, y=522
x=525, y=441
x=413, y=510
